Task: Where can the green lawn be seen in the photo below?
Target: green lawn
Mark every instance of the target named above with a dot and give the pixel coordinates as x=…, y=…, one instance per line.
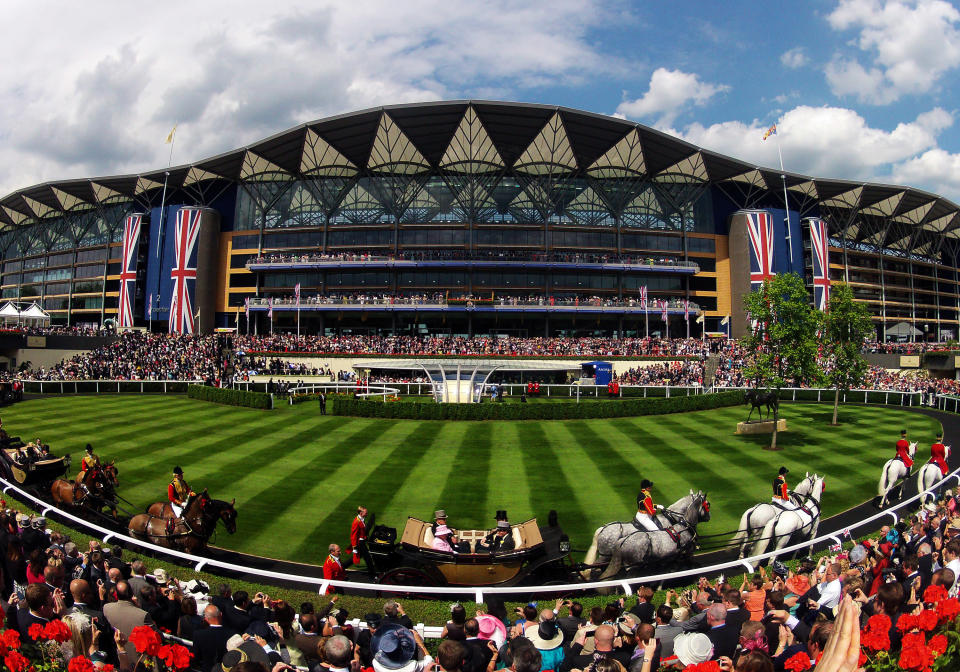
x=298, y=477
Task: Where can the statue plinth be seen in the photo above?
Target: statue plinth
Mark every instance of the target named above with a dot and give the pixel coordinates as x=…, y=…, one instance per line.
x=761, y=427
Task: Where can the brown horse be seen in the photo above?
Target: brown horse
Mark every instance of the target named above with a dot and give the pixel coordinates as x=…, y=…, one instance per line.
x=191, y=532
x=101, y=491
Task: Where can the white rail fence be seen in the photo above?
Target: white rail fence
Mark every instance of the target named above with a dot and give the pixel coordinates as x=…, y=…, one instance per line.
x=625, y=584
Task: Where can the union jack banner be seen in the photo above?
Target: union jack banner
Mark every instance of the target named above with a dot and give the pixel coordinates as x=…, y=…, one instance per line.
x=820, y=248
x=760, y=235
x=128, y=271
x=246, y=306
x=643, y=297
x=296, y=291
x=150, y=307
x=663, y=307
x=686, y=309
x=270, y=309
x=184, y=272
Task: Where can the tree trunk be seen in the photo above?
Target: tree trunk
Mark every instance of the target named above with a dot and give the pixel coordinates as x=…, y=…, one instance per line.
x=836, y=403
x=776, y=421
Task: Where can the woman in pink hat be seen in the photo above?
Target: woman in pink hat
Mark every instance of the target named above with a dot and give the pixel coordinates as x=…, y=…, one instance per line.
x=443, y=539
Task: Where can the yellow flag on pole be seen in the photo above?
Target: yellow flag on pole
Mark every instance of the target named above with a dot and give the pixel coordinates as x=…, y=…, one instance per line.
x=170, y=135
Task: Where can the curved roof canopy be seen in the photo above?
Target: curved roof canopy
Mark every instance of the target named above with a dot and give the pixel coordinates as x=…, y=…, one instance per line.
x=538, y=142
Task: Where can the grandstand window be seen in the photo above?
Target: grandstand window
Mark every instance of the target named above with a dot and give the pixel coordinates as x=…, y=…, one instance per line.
x=358, y=279
x=55, y=304
x=651, y=241
x=583, y=239
x=86, y=287
x=309, y=239
x=306, y=280
x=57, y=288
x=706, y=302
x=360, y=238
x=59, y=274
x=87, y=302
x=703, y=284
x=707, y=265
x=243, y=280
x=583, y=281
x=433, y=237
x=33, y=277
x=9, y=293
x=508, y=237
x=93, y=271
x=432, y=279
x=668, y=283
x=508, y=279
x=248, y=242
x=240, y=260
x=12, y=266
x=701, y=245
x=98, y=254
x=35, y=262
x=60, y=259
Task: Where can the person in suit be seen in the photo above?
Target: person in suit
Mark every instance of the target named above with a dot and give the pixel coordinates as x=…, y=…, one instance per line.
x=499, y=541
x=306, y=640
x=40, y=608
x=210, y=643
x=572, y=622
x=723, y=636
x=323, y=402
x=138, y=576
x=477, y=650
x=83, y=604
x=736, y=614
x=124, y=615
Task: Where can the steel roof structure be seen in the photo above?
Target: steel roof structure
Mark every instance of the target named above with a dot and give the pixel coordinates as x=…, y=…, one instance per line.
x=477, y=138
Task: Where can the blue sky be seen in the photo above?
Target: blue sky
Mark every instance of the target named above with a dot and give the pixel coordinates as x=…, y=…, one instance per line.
x=861, y=89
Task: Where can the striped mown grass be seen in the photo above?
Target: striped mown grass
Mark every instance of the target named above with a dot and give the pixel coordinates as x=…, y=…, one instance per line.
x=298, y=476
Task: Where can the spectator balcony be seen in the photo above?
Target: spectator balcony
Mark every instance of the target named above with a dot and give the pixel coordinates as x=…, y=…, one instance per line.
x=588, y=305
x=553, y=260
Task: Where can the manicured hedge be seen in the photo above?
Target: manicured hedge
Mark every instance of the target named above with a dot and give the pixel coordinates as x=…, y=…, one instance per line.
x=553, y=411
x=230, y=397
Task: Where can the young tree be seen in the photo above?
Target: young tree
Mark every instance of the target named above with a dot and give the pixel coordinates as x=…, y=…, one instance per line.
x=783, y=336
x=846, y=326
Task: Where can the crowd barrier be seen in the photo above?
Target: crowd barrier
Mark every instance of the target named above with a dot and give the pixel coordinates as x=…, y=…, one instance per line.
x=363, y=391
x=625, y=584
x=106, y=386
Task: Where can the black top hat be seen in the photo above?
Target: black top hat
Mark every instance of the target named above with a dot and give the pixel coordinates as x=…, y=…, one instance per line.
x=89, y=448
x=178, y=471
x=783, y=470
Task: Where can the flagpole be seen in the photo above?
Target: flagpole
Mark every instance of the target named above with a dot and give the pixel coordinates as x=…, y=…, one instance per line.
x=786, y=203
x=163, y=199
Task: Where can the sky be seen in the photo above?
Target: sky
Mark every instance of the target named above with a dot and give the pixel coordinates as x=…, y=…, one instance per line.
x=859, y=89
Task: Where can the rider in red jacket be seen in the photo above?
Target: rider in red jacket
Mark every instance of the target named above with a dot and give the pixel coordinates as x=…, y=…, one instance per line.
x=903, y=449
x=938, y=454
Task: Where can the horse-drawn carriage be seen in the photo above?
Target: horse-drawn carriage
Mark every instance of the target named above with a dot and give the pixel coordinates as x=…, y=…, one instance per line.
x=29, y=464
x=540, y=555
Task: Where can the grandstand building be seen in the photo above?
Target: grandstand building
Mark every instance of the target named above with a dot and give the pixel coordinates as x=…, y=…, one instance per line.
x=470, y=217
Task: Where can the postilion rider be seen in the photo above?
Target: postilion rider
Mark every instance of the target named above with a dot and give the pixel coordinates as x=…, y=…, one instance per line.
x=781, y=493
x=646, y=517
x=938, y=454
x=179, y=494
x=903, y=450
x=90, y=466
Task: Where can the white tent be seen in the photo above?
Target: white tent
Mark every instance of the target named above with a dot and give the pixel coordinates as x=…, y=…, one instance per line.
x=903, y=330
x=9, y=311
x=32, y=314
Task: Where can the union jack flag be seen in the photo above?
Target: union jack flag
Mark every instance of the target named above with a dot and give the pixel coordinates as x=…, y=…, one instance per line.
x=184, y=271
x=296, y=291
x=270, y=309
x=820, y=247
x=246, y=306
x=128, y=271
x=643, y=297
x=663, y=308
x=760, y=234
x=686, y=309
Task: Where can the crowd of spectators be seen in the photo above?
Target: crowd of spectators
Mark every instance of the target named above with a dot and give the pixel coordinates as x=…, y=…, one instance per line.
x=444, y=299
x=683, y=373
x=766, y=622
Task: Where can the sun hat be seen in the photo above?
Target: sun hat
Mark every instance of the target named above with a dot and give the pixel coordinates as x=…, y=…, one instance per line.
x=492, y=628
x=441, y=530
x=160, y=576
x=693, y=648
x=397, y=652
x=545, y=636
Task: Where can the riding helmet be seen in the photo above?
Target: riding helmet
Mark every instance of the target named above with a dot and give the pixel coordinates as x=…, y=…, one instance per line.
x=89, y=448
x=178, y=471
x=783, y=471
x=646, y=483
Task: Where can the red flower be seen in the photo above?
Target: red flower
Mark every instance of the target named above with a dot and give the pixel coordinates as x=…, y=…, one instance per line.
x=145, y=639
x=948, y=609
x=938, y=644
x=11, y=638
x=175, y=656
x=916, y=658
x=877, y=635
x=16, y=662
x=106, y=667
x=79, y=664
x=934, y=594
x=57, y=630
x=35, y=632
x=798, y=662
x=879, y=623
x=708, y=666
x=863, y=659
x=907, y=622
x=928, y=620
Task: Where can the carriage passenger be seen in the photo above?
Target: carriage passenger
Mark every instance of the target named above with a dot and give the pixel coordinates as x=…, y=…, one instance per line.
x=646, y=510
x=443, y=539
x=781, y=493
x=903, y=450
x=500, y=540
x=938, y=454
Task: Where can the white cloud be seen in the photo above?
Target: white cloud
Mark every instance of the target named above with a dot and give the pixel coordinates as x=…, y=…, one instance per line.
x=670, y=91
x=99, y=93
x=837, y=142
x=937, y=169
x=794, y=58
x=912, y=44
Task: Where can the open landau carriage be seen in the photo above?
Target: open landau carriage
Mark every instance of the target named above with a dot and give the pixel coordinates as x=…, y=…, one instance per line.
x=29, y=471
x=541, y=554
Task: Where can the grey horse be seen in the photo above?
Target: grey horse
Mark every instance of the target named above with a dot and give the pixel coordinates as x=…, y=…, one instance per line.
x=757, y=516
x=620, y=544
